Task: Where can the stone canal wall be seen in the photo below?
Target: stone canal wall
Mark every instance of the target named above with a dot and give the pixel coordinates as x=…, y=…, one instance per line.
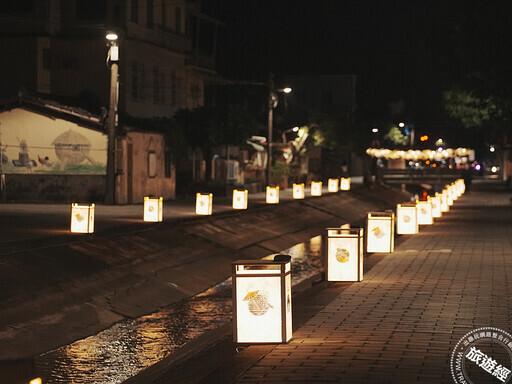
x=59, y=293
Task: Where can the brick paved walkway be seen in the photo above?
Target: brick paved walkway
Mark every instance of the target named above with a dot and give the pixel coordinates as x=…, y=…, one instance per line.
x=402, y=322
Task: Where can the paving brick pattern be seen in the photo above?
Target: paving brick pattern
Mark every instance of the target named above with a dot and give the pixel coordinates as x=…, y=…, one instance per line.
x=401, y=323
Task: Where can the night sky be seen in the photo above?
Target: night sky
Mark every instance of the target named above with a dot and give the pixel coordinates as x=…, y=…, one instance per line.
x=409, y=50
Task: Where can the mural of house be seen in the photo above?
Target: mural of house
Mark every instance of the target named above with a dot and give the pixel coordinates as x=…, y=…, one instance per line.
x=54, y=153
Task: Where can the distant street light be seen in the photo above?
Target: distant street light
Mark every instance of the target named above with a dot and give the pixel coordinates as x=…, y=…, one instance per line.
x=375, y=130
x=272, y=103
x=112, y=58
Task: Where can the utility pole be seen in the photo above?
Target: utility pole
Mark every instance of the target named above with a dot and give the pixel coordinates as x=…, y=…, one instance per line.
x=113, y=58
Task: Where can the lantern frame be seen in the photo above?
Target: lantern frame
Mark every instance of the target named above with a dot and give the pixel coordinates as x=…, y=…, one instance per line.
x=404, y=227
x=316, y=188
x=240, y=198
x=204, y=203
x=298, y=191
x=87, y=212
x=153, y=209
x=352, y=241
x=373, y=221
x=273, y=279
x=272, y=195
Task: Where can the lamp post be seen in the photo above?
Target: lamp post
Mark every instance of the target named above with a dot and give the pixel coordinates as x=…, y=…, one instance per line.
x=113, y=58
x=272, y=103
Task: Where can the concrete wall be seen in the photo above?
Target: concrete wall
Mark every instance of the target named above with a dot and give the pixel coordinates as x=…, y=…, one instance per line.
x=54, y=188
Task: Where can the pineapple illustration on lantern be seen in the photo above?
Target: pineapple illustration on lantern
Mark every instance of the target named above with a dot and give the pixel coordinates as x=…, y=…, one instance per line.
x=257, y=302
x=342, y=255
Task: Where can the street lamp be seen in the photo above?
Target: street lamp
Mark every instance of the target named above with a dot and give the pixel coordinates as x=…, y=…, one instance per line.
x=294, y=129
x=272, y=103
x=112, y=58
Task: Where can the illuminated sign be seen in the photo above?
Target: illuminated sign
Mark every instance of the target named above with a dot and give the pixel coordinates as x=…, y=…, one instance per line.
x=380, y=232
x=262, y=301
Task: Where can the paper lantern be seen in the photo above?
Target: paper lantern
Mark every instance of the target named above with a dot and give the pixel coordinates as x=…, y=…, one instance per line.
x=436, y=205
x=272, y=195
x=262, y=301
x=380, y=232
x=449, y=198
x=316, y=188
x=298, y=191
x=332, y=185
x=344, y=254
x=345, y=184
x=240, y=198
x=153, y=209
x=82, y=218
x=424, y=210
x=444, y=201
x=406, y=219
x=204, y=203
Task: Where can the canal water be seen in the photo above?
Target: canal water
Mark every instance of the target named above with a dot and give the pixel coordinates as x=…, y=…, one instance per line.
x=128, y=347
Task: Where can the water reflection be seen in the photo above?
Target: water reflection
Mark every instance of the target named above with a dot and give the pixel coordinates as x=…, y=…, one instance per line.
x=128, y=347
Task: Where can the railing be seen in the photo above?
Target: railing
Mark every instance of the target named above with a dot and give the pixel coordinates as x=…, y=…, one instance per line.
x=415, y=175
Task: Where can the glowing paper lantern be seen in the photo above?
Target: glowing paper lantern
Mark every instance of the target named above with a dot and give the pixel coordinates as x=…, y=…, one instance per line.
x=449, y=198
x=344, y=254
x=436, y=206
x=332, y=186
x=82, y=218
x=240, y=198
x=204, y=203
x=406, y=219
x=316, y=188
x=452, y=190
x=424, y=210
x=298, y=191
x=380, y=232
x=153, y=209
x=262, y=301
x=444, y=201
x=272, y=195
x=345, y=184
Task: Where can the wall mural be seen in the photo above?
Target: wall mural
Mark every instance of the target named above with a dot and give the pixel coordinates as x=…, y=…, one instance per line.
x=33, y=143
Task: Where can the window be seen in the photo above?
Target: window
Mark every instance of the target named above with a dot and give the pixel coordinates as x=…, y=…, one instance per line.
x=138, y=89
x=177, y=19
x=151, y=164
x=69, y=63
x=168, y=164
x=134, y=16
x=90, y=10
x=156, y=85
x=173, y=87
x=46, y=58
x=149, y=13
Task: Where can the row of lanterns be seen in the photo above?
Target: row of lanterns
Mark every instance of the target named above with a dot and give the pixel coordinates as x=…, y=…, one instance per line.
x=417, y=154
x=82, y=215
x=262, y=288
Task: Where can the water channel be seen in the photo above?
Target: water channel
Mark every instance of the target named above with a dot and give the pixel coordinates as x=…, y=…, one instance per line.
x=128, y=347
